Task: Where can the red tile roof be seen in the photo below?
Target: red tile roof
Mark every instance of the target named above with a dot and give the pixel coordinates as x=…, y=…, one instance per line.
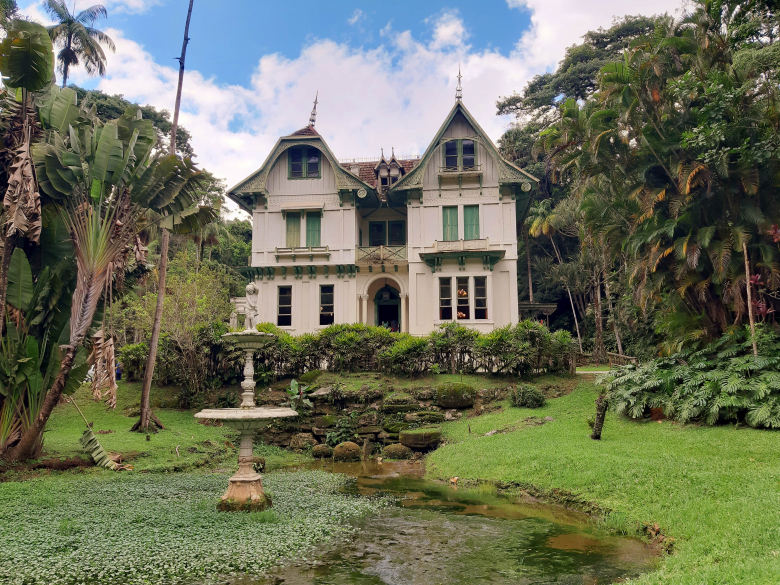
x=366, y=169
x=308, y=131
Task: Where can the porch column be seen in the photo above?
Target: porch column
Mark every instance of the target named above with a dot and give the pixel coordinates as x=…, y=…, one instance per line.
x=404, y=324
x=363, y=309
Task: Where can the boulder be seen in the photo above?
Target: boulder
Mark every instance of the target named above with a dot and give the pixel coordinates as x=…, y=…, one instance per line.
x=369, y=430
x=426, y=416
x=302, y=440
x=397, y=451
x=420, y=439
x=452, y=415
x=322, y=451
x=348, y=451
x=399, y=402
x=326, y=421
x=369, y=419
x=423, y=393
x=455, y=395
x=392, y=426
x=321, y=394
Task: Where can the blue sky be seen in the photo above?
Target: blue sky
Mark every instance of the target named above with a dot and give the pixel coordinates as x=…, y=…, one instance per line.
x=228, y=37
x=385, y=72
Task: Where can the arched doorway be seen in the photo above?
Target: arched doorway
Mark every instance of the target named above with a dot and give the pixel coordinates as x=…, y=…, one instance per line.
x=387, y=308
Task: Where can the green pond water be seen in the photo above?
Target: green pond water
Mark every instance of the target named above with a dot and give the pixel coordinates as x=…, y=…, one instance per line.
x=443, y=534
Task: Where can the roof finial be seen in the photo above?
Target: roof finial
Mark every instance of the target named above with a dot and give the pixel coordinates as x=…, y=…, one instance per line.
x=383, y=152
x=459, y=89
x=393, y=147
x=313, y=117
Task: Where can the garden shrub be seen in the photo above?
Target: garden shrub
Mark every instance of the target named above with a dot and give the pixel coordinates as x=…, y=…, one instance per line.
x=409, y=356
x=721, y=382
x=133, y=359
x=452, y=348
x=310, y=377
x=526, y=396
x=455, y=395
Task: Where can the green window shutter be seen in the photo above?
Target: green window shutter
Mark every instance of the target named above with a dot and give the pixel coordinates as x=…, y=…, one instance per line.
x=450, y=217
x=293, y=230
x=471, y=222
x=313, y=229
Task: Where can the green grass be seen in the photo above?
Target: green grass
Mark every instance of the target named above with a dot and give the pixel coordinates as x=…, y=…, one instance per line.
x=353, y=382
x=715, y=489
x=601, y=368
x=198, y=445
x=130, y=528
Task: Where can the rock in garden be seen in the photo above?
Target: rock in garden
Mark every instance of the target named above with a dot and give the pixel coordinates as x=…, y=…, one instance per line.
x=369, y=430
x=321, y=393
x=348, y=451
x=322, y=451
x=452, y=415
x=369, y=419
x=397, y=451
x=420, y=439
x=302, y=440
x=455, y=395
x=430, y=416
x=399, y=402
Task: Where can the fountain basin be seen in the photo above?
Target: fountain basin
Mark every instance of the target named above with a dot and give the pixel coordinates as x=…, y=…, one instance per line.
x=245, y=488
x=249, y=339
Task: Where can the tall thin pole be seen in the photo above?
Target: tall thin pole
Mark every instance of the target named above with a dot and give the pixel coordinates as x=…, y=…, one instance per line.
x=750, y=299
x=146, y=411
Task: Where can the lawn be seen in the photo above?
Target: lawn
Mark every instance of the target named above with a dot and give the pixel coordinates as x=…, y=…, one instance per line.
x=198, y=445
x=716, y=490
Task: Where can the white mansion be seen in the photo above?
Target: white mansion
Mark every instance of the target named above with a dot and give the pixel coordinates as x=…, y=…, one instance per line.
x=409, y=244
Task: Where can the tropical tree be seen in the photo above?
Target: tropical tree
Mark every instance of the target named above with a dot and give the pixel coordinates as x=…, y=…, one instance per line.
x=541, y=221
x=78, y=40
x=105, y=181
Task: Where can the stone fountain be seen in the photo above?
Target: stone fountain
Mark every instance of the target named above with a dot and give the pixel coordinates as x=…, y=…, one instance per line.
x=245, y=490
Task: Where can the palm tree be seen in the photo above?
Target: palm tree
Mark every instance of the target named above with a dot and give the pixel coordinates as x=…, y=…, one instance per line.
x=540, y=221
x=79, y=41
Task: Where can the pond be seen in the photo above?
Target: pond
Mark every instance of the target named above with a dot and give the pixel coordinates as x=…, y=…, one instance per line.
x=450, y=535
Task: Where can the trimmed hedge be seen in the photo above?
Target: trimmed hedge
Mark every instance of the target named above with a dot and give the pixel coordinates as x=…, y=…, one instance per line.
x=526, y=396
x=518, y=350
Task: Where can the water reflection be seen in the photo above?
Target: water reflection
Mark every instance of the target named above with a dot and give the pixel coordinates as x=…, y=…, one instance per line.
x=441, y=534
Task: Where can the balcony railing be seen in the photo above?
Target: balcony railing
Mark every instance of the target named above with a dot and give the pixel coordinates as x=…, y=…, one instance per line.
x=303, y=251
x=381, y=254
x=461, y=170
x=461, y=245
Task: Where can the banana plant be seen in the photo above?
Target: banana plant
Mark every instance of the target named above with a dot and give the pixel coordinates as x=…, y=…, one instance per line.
x=106, y=180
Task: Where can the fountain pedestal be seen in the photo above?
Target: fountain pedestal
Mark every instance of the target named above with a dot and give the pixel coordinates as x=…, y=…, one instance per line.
x=245, y=488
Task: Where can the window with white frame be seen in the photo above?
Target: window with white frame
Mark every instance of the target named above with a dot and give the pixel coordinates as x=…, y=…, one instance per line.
x=470, y=296
x=326, y=304
x=464, y=305
x=284, y=311
x=445, y=299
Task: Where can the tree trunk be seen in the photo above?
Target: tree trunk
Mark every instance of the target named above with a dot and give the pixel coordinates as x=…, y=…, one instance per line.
x=599, y=353
x=750, y=300
x=528, y=263
x=146, y=411
x=571, y=300
x=65, y=64
x=610, y=308
x=25, y=447
x=601, y=413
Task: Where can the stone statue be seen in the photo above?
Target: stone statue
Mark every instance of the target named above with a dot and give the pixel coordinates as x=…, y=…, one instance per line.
x=250, y=311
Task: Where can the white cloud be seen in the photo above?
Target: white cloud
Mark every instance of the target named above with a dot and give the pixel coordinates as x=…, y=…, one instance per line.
x=449, y=31
x=558, y=24
x=356, y=16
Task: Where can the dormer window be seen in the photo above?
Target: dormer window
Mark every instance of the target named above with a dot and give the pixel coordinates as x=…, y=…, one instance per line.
x=304, y=163
x=460, y=154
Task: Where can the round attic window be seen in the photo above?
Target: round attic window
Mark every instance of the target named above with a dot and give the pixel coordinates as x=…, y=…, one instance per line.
x=362, y=193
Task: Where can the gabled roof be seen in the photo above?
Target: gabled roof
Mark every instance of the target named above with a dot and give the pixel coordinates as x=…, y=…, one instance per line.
x=307, y=131
x=367, y=169
x=508, y=173
x=245, y=191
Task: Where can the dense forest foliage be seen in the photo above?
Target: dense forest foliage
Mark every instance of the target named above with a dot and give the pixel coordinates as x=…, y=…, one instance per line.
x=657, y=142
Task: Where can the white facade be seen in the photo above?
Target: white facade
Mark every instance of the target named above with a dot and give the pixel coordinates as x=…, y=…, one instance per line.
x=438, y=243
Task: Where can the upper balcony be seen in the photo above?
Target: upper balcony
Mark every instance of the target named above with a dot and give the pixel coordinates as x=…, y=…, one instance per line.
x=307, y=252
x=460, y=250
x=459, y=171
x=369, y=255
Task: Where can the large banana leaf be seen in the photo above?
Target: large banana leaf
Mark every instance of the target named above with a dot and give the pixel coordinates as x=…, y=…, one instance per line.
x=190, y=220
x=59, y=109
x=20, y=282
x=26, y=56
x=90, y=444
